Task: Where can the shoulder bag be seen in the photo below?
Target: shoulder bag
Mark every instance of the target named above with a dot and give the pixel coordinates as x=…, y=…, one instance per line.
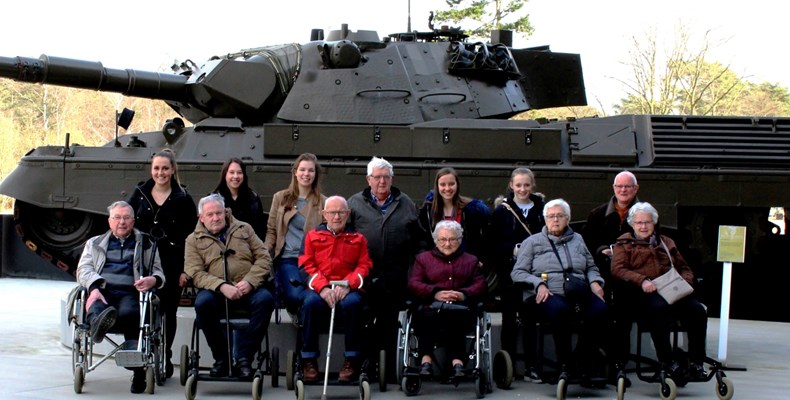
x=575, y=288
x=671, y=285
x=516, y=216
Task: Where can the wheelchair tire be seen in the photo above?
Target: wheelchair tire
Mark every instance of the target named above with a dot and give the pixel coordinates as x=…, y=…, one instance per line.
x=257, y=387
x=289, y=370
x=503, y=369
x=481, y=386
x=562, y=388
x=621, y=388
x=150, y=380
x=274, y=359
x=402, y=346
x=183, y=365
x=79, y=379
x=382, y=371
x=76, y=357
x=410, y=385
x=725, y=389
x=668, y=390
x=298, y=390
x=364, y=390
x=190, y=388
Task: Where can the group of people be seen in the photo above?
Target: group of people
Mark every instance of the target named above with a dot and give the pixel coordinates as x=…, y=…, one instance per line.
x=373, y=251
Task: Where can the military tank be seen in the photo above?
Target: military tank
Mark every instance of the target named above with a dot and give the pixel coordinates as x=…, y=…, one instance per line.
x=423, y=100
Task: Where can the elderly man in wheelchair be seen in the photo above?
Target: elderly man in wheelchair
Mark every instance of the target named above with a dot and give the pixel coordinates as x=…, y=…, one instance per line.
x=117, y=271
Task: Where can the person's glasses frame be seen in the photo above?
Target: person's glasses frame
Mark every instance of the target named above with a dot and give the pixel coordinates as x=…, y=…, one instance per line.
x=557, y=216
x=336, y=213
x=121, y=218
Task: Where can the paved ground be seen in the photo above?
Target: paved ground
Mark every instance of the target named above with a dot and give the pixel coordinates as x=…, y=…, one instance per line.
x=35, y=365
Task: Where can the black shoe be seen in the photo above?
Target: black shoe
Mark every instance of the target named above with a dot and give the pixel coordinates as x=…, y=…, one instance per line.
x=459, y=371
x=138, y=381
x=697, y=372
x=532, y=375
x=244, y=368
x=674, y=370
x=220, y=368
x=426, y=369
x=168, y=369
x=102, y=323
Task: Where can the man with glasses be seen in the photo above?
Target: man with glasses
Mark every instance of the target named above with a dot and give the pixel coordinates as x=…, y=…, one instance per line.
x=332, y=252
x=604, y=225
x=110, y=268
x=387, y=218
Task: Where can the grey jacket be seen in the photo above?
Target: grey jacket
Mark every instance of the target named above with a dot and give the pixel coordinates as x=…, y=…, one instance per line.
x=537, y=256
x=94, y=256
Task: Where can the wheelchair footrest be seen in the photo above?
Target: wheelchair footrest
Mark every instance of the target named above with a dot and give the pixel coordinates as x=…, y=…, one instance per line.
x=129, y=356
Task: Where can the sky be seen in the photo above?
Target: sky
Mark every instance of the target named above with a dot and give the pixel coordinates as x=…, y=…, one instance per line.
x=152, y=34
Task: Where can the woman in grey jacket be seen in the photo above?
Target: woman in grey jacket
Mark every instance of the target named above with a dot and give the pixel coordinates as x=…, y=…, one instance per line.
x=543, y=265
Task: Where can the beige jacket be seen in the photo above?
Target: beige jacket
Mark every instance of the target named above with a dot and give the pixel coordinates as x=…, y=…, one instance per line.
x=279, y=217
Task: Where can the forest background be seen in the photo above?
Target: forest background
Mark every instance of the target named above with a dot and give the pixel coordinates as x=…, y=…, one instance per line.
x=670, y=57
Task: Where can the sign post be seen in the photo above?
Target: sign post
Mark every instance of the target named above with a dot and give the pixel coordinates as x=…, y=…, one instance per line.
x=732, y=248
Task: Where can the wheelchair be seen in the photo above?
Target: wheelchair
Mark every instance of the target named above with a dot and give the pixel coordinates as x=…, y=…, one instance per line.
x=294, y=377
x=479, y=358
x=651, y=371
x=266, y=361
x=148, y=351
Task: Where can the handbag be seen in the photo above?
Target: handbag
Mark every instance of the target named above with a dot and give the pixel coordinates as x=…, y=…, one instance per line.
x=517, y=247
x=671, y=285
x=447, y=306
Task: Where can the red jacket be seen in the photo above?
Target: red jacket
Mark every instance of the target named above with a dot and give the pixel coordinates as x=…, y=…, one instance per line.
x=329, y=257
x=433, y=272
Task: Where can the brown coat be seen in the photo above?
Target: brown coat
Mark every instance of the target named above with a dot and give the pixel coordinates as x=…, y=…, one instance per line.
x=279, y=217
x=635, y=260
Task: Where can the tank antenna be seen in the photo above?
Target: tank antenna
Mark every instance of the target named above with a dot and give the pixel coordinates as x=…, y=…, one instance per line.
x=408, y=20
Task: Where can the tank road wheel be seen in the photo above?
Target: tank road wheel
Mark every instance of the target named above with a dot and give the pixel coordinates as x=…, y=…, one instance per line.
x=621, y=388
x=562, y=389
x=274, y=358
x=79, y=379
x=183, y=365
x=503, y=369
x=150, y=380
x=382, y=371
x=364, y=390
x=725, y=389
x=298, y=390
x=410, y=385
x=289, y=370
x=257, y=387
x=668, y=390
x=56, y=234
x=190, y=388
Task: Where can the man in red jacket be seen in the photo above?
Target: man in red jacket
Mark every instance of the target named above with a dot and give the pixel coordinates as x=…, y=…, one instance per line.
x=333, y=253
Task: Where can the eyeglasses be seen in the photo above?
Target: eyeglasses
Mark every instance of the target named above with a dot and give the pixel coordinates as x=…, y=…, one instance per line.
x=380, y=177
x=643, y=223
x=621, y=187
x=556, y=216
x=336, y=213
x=448, y=240
x=122, y=218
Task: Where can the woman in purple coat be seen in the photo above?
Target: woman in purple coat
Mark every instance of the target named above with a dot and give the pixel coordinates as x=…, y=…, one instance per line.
x=441, y=279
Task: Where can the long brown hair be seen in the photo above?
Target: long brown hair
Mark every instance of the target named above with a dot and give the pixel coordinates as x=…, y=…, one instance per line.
x=438, y=202
x=222, y=186
x=170, y=155
x=293, y=189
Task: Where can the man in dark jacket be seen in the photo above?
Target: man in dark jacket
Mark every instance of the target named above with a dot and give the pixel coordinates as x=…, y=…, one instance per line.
x=334, y=253
x=387, y=218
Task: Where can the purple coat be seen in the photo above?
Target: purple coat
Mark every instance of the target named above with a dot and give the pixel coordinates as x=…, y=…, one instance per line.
x=433, y=272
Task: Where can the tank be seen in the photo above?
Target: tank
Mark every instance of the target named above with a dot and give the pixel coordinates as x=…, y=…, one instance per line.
x=423, y=100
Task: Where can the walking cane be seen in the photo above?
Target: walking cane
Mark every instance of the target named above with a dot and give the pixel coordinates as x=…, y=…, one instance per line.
x=331, y=328
x=225, y=253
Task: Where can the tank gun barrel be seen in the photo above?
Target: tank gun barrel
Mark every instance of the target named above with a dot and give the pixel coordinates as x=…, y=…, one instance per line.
x=93, y=75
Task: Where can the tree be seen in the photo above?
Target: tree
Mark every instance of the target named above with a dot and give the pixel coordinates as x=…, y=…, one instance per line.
x=491, y=14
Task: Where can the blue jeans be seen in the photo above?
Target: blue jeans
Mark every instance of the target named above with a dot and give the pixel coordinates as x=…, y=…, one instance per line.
x=210, y=308
x=287, y=269
x=314, y=316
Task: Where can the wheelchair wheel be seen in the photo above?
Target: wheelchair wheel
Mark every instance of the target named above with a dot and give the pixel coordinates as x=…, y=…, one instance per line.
x=257, y=387
x=481, y=386
x=150, y=380
x=668, y=390
x=503, y=369
x=562, y=388
x=159, y=367
x=402, y=347
x=275, y=366
x=621, y=388
x=76, y=348
x=364, y=390
x=410, y=385
x=190, y=388
x=298, y=390
x=289, y=370
x=79, y=379
x=183, y=365
x=382, y=371
x=725, y=389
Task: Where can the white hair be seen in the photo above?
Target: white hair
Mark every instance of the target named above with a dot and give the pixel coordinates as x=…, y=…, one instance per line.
x=379, y=162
